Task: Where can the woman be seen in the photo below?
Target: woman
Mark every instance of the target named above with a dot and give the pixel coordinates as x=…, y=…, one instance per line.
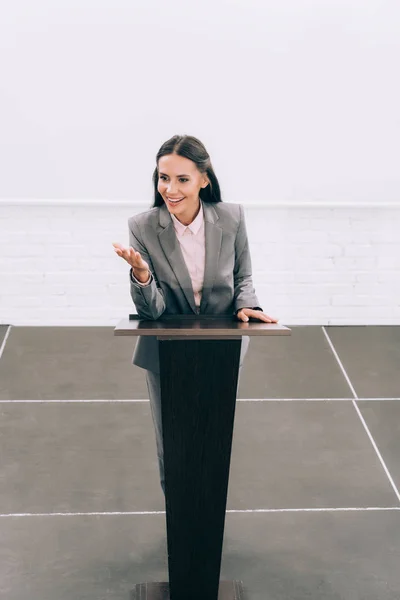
x=189, y=254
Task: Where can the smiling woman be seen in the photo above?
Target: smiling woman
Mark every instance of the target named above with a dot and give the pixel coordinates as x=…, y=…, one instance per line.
x=182, y=176
x=189, y=256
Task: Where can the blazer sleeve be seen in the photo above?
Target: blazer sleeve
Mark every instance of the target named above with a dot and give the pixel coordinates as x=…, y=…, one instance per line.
x=148, y=298
x=244, y=292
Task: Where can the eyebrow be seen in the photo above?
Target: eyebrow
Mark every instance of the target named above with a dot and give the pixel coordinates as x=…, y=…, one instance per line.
x=184, y=175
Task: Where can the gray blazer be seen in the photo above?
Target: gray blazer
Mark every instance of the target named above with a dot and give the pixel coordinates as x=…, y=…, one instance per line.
x=227, y=284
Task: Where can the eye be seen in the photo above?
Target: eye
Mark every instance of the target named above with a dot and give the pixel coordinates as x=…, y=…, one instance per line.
x=180, y=179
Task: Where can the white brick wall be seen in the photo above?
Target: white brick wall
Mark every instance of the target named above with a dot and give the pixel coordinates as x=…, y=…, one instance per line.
x=311, y=264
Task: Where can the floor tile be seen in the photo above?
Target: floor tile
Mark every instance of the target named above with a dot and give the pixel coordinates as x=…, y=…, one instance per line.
x=371, y=358
x=69, y=363
x=95, y=457
x=80, y=557
x=85, y=457
x=89, y=362
x=78, y=457
x=304, y=454
x=278, y=556
x=3, y=331
x=383, y=421
x=314, y=556
x=301, y=365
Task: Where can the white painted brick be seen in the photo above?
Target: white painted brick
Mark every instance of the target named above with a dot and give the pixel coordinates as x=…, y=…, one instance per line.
x=324, y=250
x=315, y=264
x=391, y=262
x=361, y=314
x=277, y=276
x=359, y=263
x=23, y=300
x=321, y=277
x=63, y=264
x=94, y=290
x=361, y=300
x=32, y=289
x=13, y=237
x=27, y=223
x=18, y=264
x=75, y=277
x=21, y=250
x=20, y=278
x=389, y=276
x=385, y=236
x=310, y=236
x=117, y=289
x=50, y=237
x=363, y=288
x=93, y=264
x=316, y=288
x=331, y=225
x=52, y=301
x=67, y=250
x=24, y=236
x=310, y=300
x=384, y=250
x=308, y=312
x=366, y=277
x=86, y=300
x=362, y=250
x=348, y=236
x=311, y=265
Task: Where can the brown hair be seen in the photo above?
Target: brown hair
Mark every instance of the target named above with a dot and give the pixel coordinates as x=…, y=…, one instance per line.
x=192, y=148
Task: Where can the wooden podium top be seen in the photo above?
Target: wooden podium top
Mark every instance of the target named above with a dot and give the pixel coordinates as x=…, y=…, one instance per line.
x=197, y=326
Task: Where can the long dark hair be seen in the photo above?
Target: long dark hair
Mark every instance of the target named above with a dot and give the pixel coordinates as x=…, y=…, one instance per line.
x=189, y=147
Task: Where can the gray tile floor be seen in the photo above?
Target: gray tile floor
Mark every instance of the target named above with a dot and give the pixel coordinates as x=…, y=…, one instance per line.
x=316, y=466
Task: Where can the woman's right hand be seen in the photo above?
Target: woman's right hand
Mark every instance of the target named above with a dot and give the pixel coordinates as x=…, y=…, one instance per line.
x=133, y=258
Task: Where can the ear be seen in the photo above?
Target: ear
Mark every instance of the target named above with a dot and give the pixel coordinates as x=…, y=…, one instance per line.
x=205, y=182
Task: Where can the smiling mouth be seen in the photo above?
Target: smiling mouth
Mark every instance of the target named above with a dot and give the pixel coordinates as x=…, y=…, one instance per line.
x=173, y=202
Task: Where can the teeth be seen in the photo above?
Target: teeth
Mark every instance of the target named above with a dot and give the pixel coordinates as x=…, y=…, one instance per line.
x=177, y=200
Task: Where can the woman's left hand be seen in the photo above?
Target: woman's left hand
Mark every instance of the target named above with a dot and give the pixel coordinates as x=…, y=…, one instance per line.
x=245, y=313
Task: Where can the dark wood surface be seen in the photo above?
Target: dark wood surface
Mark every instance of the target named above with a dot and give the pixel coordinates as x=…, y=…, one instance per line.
x=200, y=325
x=198, y=396
x=199, y=361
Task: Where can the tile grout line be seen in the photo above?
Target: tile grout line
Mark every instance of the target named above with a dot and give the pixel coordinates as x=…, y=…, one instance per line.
x=361, y=417
x=314, y=399
x=230, y=511
x=144, y=400
x=359, y=509
x=3, y=345
x=340, y=363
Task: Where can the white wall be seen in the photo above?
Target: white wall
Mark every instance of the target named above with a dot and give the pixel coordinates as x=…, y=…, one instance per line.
x=296, y=101
x=311, y=265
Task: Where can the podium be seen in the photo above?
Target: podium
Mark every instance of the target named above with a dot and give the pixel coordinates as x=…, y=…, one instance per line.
x=199, y=362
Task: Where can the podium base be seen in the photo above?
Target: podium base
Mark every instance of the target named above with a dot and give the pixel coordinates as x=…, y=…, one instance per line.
x=228, y=590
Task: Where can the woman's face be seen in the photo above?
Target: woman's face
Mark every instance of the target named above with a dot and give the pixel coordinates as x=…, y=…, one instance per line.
x=179, y=177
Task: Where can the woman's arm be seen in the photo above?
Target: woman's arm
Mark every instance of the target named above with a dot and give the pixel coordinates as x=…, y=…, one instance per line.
x=244, y=292
x=149, y=298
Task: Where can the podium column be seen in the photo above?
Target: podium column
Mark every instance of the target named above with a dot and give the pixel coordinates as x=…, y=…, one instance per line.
x=199, y=363
x=198, y=395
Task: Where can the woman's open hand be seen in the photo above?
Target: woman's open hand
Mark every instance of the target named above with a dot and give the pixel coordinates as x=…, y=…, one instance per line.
x=132, y=257
x=245, y=313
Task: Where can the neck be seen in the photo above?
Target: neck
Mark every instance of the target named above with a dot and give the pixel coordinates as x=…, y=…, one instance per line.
x=187, y=219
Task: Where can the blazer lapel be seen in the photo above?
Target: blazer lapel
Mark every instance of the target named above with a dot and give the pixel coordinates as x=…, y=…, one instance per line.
x=213, y=240
x=173, y=253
